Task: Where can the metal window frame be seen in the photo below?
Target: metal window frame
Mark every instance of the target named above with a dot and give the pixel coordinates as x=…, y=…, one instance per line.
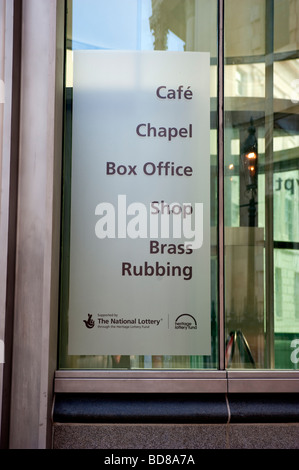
x=189, y=381
x=11, y=23
x=151, y=381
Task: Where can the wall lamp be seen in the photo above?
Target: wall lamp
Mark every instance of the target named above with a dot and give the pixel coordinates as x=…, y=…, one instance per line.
x=249, y=159
x=249, y=156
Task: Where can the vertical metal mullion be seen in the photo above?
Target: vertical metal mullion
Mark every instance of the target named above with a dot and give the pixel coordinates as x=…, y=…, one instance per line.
x=14, y=11
x=220, y=143
x=269, y=213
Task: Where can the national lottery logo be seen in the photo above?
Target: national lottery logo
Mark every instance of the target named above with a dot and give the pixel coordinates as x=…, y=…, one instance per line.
x=89, y=323
x=185, y=321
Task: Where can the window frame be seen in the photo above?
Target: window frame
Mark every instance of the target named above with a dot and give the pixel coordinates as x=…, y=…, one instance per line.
x=221, y=380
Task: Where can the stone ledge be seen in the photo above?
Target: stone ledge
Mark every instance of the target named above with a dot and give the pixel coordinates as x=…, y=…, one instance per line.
x=176, y=408
x=175, y=436
x=264, y=408
x=140, y=408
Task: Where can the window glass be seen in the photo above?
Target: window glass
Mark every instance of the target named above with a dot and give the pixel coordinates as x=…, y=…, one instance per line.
x=261, y=176
x=135, y=25
x=261, y=183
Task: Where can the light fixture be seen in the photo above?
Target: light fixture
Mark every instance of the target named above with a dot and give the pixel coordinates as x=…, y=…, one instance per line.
x=249, y=156
x=249, y=159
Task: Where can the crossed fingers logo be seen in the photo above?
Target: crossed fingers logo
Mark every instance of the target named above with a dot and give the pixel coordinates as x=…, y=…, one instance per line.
x=90, y=322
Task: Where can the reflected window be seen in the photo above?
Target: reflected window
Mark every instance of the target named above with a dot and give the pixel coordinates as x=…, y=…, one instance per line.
x=261, y=42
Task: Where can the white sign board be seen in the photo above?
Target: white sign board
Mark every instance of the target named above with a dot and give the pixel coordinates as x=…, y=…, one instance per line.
x=140, y=204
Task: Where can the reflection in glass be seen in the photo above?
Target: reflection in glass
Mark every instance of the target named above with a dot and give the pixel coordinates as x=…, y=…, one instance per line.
x=261, y=54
